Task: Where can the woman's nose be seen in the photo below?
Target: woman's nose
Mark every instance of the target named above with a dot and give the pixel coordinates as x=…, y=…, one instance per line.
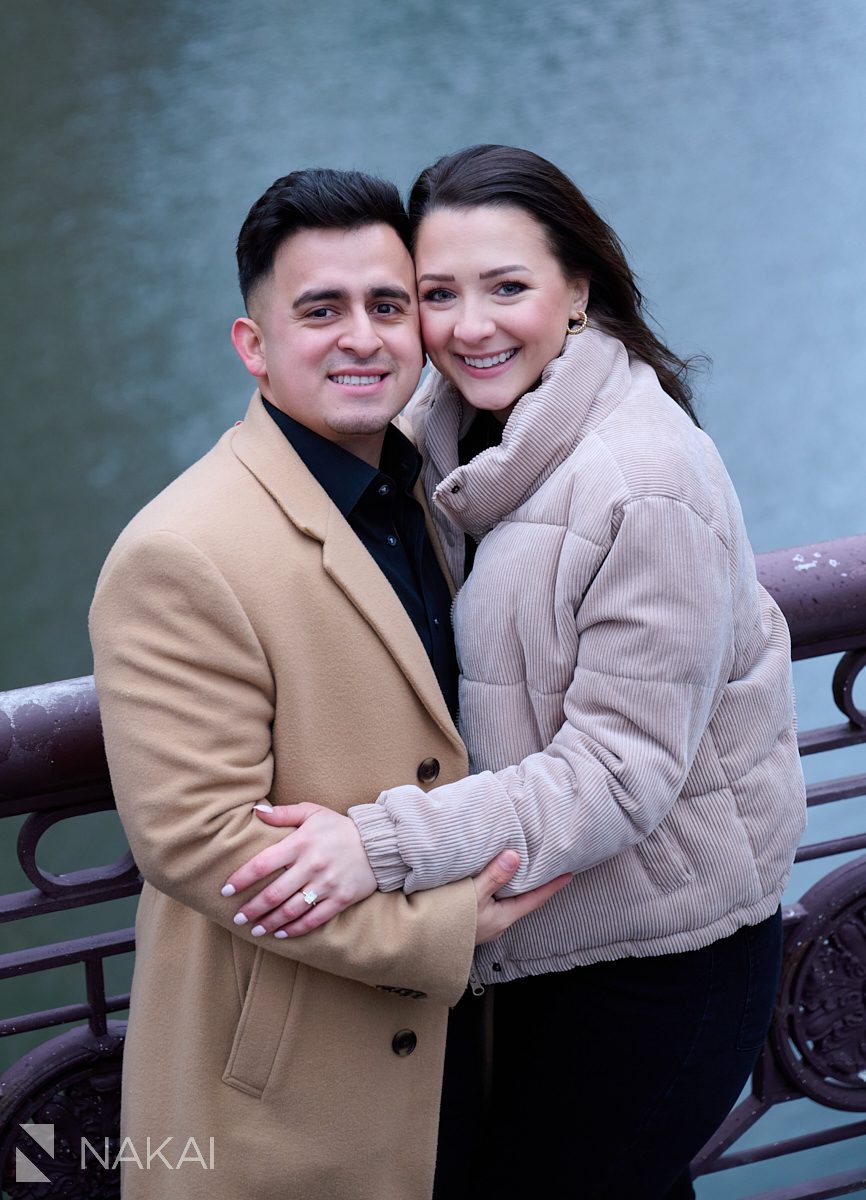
x=473, y=325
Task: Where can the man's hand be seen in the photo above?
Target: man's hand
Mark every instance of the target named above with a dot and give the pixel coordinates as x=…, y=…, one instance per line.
x=322, y=856
x=495, y=916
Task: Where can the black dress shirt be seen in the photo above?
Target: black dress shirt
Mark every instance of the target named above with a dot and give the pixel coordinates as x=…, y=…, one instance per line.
x=380, y=508
x=484, y=432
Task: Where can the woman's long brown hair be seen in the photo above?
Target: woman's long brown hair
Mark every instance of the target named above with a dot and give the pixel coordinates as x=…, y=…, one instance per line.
x=579, y=239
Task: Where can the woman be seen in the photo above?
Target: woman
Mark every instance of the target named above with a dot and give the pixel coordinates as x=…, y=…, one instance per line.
x=625, y=697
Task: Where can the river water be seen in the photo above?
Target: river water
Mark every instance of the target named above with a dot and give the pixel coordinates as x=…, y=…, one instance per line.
x=725, y=142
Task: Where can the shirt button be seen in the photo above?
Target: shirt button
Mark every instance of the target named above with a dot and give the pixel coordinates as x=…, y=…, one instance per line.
x=384, y=489
x=392, y=541
x=436, y=621
x=404, y=1043
x=497, y=967
x=428, y=770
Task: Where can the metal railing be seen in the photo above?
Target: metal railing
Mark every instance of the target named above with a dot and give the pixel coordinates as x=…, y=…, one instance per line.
x=52, y=768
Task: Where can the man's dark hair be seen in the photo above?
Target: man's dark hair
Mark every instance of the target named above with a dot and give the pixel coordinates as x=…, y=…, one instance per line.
x=317, y=198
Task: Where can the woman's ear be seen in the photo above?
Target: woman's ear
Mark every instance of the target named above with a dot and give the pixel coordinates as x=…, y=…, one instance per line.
x=580, y=298
x=248, y=340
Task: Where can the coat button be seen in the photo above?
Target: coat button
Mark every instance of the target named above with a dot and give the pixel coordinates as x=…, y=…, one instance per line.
x=428, y=770
x=404, y=1042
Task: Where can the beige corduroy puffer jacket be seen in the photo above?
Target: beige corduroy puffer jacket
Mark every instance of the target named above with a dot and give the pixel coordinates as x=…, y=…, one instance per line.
x=625, y=690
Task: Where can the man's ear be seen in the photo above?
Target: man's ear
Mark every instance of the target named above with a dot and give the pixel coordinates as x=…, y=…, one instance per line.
x=248, y=340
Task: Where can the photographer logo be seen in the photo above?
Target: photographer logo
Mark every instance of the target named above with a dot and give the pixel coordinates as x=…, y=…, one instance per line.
x=169, y=1153
x=25, y=1170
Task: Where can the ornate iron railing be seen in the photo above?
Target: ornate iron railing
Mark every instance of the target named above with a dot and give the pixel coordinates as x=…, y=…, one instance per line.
x=52, y=768
x=817, y=1044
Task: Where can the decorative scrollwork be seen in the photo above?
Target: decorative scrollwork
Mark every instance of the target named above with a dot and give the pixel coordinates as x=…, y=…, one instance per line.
x=108, y=878
x=72, y=1085
x=847, y=669
x=819, y=1034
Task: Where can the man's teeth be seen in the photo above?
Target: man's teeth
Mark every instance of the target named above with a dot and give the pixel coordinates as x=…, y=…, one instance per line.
x=489, y=362
x=357, y=380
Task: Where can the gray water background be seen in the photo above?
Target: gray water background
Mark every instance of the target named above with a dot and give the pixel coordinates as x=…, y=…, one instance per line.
x=725, y=142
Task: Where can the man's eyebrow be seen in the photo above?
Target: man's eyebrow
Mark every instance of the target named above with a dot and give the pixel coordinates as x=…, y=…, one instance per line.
x=318, y=296
x=390, y=292
x=330, y=295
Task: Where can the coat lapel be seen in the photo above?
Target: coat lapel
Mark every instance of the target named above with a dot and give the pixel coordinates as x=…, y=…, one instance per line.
x=263, y=449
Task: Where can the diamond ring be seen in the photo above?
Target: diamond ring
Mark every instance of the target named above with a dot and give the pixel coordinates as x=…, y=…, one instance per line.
x=310, y=896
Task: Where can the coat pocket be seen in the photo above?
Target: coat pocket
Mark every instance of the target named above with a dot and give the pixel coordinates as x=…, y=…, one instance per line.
x=664, y=861
x=262, y=1021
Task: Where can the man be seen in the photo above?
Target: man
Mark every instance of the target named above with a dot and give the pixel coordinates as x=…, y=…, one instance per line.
x=274, y=628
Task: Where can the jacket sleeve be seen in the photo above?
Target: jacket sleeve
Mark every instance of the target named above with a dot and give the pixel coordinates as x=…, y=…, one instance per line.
x=187, y=699
x=655, y=633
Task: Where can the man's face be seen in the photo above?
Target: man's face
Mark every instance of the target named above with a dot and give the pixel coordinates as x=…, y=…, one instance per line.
x=333, y=335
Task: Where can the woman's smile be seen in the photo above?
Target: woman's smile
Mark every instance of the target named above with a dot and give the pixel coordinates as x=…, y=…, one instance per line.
x=487, y=364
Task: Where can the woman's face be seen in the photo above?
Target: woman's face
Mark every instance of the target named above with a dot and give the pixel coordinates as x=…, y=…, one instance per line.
x=494, y=302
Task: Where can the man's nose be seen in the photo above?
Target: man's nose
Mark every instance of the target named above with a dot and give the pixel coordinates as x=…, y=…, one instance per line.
x=360, y=336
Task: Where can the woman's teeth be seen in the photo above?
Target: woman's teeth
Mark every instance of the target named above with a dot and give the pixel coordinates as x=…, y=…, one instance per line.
x=494, y=361
x=356, y=380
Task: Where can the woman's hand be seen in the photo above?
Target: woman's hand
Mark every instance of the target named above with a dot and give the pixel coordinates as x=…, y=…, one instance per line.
x=323, y=858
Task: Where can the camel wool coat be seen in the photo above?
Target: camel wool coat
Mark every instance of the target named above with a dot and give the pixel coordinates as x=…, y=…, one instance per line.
x=247, y=648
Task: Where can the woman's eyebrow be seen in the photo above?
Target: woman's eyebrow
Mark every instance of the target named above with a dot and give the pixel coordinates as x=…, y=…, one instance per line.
x=502, y=271
x=483, y=275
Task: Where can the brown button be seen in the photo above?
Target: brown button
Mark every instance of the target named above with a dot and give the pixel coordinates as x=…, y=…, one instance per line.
x=428, y=770
x=404, y=1042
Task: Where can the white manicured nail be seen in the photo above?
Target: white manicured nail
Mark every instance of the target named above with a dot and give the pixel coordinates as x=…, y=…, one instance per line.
x=281, y=933
x=227, y=890
x=263, y=807
x=239, y=919
x=258, y=930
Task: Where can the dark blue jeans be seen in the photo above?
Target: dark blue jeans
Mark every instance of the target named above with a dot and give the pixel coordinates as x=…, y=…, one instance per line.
x=608, y=1079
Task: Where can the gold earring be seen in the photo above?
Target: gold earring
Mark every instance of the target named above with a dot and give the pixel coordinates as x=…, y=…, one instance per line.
x=577, y=324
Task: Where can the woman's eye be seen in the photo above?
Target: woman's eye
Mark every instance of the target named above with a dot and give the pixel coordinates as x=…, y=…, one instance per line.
x=438, y=295
x=511, y=287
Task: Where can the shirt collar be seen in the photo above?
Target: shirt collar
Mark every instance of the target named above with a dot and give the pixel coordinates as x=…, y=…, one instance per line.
x=343, y=475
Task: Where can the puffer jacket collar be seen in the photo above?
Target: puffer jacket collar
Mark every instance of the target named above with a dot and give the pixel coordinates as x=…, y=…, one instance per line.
x=577, y=391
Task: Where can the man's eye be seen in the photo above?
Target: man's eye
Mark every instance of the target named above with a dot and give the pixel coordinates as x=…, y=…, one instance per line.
x=320, y=312
x=385, y=309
